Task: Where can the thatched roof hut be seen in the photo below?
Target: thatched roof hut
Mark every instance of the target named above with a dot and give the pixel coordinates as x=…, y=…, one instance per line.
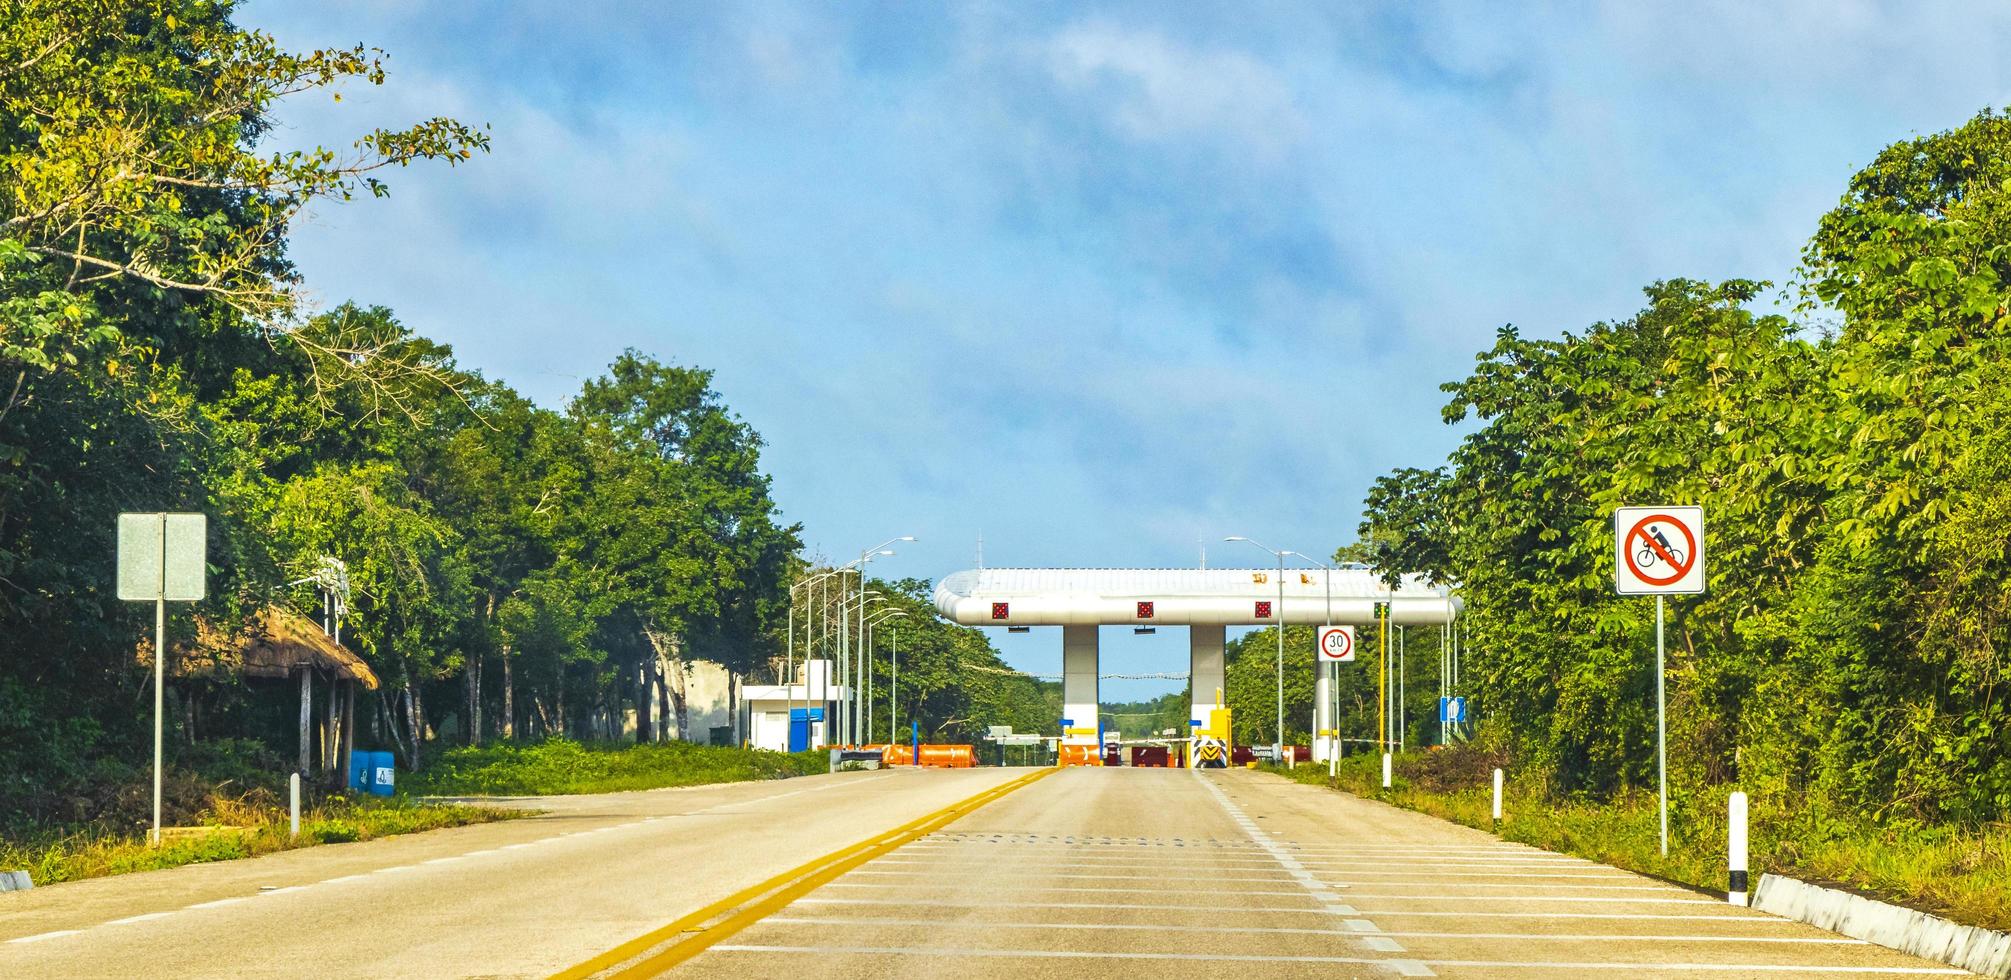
x=274, y=643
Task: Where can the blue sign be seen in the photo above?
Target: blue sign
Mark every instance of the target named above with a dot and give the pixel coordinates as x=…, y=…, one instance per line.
x=1452, y=710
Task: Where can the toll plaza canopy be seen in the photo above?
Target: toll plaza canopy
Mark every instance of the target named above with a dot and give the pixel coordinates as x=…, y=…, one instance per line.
x=1185, y=597
x=1205, y=600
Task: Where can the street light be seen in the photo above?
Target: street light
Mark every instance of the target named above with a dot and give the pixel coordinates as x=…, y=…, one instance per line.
x=789, y=677
x=848, y=726
x=1278, y=747
x=865, y=556
x=870, y=625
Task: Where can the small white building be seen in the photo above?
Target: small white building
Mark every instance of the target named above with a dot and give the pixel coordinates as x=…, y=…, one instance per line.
x=767, y=707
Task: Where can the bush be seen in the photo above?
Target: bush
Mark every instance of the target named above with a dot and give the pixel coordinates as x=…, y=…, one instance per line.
x=560, y=766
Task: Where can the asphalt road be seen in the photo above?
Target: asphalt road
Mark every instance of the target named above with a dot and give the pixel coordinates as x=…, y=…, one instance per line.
x=1079, y=873
x=518, y=898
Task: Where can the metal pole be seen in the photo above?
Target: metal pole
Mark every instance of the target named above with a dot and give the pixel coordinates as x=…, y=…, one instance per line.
x=1383, y=682
x=1333, y=716
x=853, y=714
x=845, y=658
x=816, y=609
x=1403, y=707
x=160, y=678
x=1278, y=748
x=894, y=688
x=865, y=671
x=788, y=674
x=1661, y=732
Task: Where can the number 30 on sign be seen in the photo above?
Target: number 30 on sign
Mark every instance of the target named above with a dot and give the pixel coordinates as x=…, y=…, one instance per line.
x=1659, y=550
x=1337, y=644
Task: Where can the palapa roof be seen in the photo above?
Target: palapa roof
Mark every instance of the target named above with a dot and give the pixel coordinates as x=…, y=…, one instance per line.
x=274, y=643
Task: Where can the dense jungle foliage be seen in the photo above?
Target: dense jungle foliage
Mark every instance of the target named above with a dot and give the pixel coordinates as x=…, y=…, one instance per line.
x=1851, y=456
x=515, y=570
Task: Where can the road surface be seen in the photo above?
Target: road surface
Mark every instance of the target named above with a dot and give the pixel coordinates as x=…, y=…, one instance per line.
x=977, y=873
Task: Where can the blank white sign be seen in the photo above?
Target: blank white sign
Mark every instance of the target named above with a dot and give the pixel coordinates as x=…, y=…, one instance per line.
x=163, y=556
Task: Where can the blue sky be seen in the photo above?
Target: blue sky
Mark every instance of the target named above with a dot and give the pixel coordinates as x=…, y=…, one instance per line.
x=1098, y=281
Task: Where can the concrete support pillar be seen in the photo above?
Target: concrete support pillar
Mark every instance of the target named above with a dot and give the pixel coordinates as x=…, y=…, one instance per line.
x=1204, y=668
x=1324, y=742
x=1079, y=667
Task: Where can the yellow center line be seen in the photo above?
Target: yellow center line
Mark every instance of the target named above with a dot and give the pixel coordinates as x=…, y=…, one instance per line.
x=692, y=934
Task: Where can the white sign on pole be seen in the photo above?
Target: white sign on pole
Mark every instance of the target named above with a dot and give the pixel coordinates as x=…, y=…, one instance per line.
x=163, y=556
x=1659, y=550
x=1337, y=644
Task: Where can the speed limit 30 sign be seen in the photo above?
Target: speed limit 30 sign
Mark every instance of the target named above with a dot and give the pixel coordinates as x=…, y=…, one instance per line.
x=1337, y=644
x=1659, y=550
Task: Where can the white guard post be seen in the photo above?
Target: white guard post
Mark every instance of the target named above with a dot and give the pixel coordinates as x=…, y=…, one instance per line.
x=1735, y=839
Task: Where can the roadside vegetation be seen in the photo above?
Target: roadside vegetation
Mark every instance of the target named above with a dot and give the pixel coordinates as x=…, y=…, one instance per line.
x=235, y=829
x=1964, y=875
x=223, y=801
x=514, y=571
x=562, y=767
x=1849, y=437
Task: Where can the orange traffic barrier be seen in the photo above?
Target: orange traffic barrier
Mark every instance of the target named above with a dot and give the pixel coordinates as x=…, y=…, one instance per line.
x=949, y=756
x=939, y=756
x=1081, y=755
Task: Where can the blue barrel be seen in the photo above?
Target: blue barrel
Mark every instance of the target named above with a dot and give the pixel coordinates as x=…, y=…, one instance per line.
x=359, y=771
x=383, y=773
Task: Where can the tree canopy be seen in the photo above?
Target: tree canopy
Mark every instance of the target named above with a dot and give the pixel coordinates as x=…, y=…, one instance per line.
x=1850, y=455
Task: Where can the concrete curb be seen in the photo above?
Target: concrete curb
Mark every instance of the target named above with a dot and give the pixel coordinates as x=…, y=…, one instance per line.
x=1983, y=951
x=15, y=881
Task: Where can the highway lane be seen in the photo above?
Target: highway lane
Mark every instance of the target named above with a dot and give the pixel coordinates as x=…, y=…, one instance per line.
x=519, y=898
x=1071, y=873
x=1153, y=872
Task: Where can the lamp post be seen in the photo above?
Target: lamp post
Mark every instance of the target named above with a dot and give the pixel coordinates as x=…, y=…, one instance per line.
x=789, y=675
x=852, y=609
x=894, y=689
x=867, y=715
x=1277, y=747
x=851, y=705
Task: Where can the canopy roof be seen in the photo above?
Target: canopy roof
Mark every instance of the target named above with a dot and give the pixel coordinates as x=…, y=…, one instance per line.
x=1185, y=597
x=274, y=643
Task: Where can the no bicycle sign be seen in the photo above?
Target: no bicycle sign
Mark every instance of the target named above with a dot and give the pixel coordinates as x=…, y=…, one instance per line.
x=1659, y=550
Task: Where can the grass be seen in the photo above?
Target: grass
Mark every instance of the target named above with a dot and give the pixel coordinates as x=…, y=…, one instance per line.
x=1961, y=873
x=231, y=830
x=561, y=767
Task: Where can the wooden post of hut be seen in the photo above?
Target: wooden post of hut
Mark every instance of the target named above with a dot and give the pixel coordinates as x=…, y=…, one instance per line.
x=306, y=672
x=282, y=644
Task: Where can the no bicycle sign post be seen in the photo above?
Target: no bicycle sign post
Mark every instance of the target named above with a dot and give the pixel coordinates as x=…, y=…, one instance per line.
x=1659, y=551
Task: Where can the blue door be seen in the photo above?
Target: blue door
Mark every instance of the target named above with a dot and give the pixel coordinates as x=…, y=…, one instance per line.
x=799, y=729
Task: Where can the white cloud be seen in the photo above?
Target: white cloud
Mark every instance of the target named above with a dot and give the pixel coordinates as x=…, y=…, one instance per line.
x=1162, y=90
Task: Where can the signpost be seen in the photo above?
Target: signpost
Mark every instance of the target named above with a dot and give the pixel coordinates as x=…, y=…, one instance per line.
x=1337, y=644
x=1659, y=551
x=162, y=558
x=1452, y=711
